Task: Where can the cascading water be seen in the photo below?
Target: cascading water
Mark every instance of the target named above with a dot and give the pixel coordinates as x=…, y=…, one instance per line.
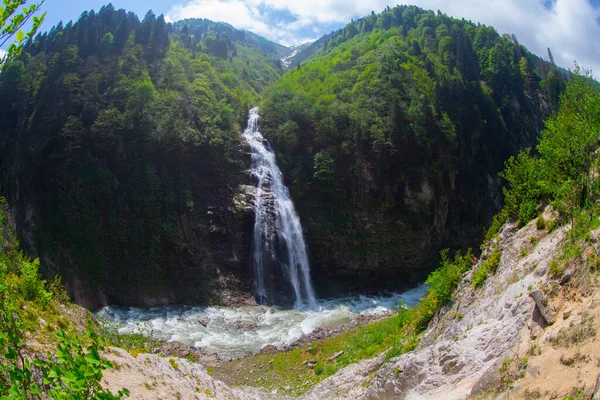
x=278, y=238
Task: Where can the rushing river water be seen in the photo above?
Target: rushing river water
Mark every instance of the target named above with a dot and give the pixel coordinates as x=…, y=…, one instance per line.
x=232, y=332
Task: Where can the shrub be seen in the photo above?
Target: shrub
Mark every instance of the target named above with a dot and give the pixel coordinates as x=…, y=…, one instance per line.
x=556, y=268
x=480, y=276
x=32, y=286
x=540, y=223
x=58, y=290
x=445, y=279
x=489, y=266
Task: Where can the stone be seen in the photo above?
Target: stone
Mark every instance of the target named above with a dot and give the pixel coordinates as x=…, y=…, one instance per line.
x=542, y=305
x=269, y=349
x=536, y=331
x=566, y=314
x=489, y=380
x=595, y=235
x=335, y=356
x=566, y=277
x=596, y=395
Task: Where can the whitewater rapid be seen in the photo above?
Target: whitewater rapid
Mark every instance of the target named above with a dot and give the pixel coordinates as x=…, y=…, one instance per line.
x=234, y=332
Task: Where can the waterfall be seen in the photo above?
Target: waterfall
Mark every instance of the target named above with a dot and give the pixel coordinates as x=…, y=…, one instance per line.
x=277, y=236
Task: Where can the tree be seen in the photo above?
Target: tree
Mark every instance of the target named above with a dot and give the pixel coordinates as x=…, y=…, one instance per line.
x=12, y=18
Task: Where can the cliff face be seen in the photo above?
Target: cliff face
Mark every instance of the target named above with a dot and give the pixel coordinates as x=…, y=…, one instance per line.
x=392, y=134
x=521, y=334
x=197, y=253
x=121, y=155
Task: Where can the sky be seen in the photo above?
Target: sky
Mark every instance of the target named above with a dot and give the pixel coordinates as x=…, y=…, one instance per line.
x=571, y=28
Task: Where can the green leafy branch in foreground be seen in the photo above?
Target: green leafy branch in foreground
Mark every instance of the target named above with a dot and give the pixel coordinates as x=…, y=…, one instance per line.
x=73, y=370
x=13, y=16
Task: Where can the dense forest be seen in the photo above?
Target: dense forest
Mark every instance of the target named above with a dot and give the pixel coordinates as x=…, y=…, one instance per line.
x=392, y=132
x=121, y=151
x=122, y=159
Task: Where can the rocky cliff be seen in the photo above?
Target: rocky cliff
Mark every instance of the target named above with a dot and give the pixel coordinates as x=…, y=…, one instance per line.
x=523, y=333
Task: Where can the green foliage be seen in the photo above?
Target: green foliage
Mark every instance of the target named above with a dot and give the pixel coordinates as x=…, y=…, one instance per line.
x=13, y=16
x=33, y=288
x=444, y=280
x=540, y=223
x=324, y=166
x=400, y=107
x=130, y=132
x=562, y=171
x=73, y=370
x=487, y=267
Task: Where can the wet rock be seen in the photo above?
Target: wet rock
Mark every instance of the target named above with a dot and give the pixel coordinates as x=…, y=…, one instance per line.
x=269, y=349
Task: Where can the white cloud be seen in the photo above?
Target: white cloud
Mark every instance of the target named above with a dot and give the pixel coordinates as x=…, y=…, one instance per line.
x=2, y=54
x=569, y=27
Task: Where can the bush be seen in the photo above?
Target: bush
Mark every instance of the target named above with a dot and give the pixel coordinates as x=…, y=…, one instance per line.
x=445, y=279
x=560, y=173
x=540, y=223
x=32, y=286
x=493, y=260
x=489, y=266
x=480, y=276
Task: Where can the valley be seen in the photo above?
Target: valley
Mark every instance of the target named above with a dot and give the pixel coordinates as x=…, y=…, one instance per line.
x=404, y=208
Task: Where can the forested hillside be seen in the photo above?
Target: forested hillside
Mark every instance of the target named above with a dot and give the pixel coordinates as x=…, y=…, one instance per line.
x=121, y=154
x=122, y=157
x=392, y=133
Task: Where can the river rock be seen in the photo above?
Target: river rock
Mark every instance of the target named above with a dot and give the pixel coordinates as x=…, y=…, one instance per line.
x=269, y=349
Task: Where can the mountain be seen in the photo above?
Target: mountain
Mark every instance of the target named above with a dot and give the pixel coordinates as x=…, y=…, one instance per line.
x=121, y=154
x=290, y=58
x=392, y=131
x=196, y=29
x=124, y=167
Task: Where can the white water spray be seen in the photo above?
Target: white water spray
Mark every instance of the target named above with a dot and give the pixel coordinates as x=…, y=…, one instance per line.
x=235, y=332
x=276, y=225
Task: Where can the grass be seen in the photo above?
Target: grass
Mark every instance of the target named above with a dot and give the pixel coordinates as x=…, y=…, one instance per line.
x=291, y=368
x=300, y=368
x=134, y=343
x=573, y=335
x=489, y=266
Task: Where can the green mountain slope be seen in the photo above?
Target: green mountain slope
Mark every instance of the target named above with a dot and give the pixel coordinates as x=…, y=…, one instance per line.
x=121, y=154
x=392, y=133
x=192, y=31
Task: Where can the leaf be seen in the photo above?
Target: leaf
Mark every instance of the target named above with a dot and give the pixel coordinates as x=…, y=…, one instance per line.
x=20, y=36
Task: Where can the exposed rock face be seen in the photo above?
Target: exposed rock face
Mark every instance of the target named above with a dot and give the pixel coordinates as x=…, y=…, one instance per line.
x=192, y=250
x=466, y=343
x=476, y=332
x=149, y=376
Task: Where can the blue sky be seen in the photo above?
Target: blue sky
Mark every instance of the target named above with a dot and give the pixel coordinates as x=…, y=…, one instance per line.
x=571, y=28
